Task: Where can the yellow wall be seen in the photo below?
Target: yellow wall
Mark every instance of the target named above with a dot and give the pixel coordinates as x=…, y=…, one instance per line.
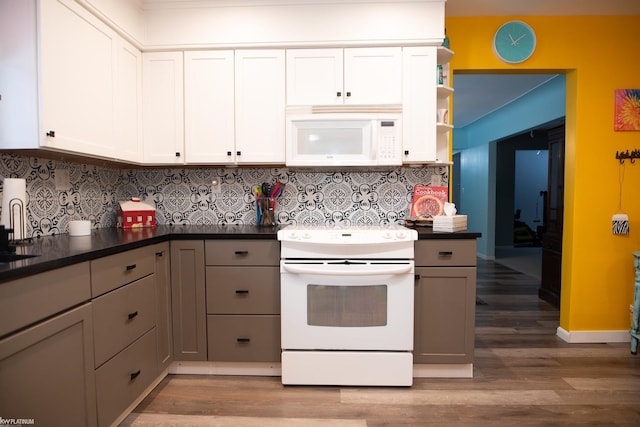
x=598, y=55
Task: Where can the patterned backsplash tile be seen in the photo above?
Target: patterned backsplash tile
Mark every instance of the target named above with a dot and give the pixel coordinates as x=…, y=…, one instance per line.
x=61, y=191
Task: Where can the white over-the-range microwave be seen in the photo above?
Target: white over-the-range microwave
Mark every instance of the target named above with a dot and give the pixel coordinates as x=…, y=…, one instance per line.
x=344, y=136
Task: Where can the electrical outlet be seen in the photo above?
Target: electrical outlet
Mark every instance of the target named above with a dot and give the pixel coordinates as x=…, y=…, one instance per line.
x=215, y=186
x=61, y=179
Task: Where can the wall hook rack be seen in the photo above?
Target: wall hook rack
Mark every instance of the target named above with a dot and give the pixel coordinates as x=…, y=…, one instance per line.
x=630, y=155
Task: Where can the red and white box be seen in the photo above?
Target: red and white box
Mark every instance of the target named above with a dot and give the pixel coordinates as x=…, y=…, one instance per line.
x=135, y=213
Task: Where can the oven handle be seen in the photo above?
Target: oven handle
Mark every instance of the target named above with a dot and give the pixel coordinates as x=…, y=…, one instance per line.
x=349, y=270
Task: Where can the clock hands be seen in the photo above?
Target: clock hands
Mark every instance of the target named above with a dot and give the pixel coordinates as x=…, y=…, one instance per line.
x=514, y=42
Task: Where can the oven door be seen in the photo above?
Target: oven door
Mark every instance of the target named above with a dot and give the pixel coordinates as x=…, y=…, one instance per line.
x=347, y=305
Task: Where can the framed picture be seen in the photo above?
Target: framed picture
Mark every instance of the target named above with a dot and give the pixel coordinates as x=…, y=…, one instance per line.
x=627, y=110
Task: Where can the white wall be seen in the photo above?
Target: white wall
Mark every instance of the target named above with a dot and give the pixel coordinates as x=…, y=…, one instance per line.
x=300, y=23
x=124, y=15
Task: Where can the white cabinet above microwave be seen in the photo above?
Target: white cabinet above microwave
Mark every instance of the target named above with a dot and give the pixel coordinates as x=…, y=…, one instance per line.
x=356, y=76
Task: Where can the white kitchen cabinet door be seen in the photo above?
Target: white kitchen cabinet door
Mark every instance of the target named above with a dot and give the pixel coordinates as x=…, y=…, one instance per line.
x=66, y=74
x=260, y=106
x=373, y=75
x=163, y=107
x=315, y=77
x=419, y=105
x=344, y=76
x=128, y=132
x=209, y=107
x=78, y=69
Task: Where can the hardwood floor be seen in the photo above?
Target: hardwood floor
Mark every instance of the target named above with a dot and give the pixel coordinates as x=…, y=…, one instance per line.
x=524, y=375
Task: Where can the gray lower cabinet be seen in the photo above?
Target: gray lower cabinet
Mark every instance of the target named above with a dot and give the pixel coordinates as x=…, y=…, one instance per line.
x=163, y=305
x=243, y=300
x=123, y=378
x=46, y=348
x=445, y=295
x=189, y=320
x=124, y=328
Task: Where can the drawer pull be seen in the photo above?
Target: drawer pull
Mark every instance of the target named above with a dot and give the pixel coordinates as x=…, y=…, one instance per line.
x=242, y=291
x=445, y=253
x=131, y=267
x=416, y=277
x=243, y=340
x=160, y=253
x=134, y=375
x=242, y=252
x=132, y=315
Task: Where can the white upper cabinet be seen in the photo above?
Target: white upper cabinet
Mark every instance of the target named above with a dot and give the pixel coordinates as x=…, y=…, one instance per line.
x=424, y=139
x=315, y=77
x=344, y=76
x=373, y=75
x=209, y=107
x=128, y=134
x=163, y=107
x=419, y=104
x=78, y=84
x=260, y=106
x=64, y=81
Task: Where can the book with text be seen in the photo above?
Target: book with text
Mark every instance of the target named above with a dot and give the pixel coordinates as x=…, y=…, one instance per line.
x=428, y=200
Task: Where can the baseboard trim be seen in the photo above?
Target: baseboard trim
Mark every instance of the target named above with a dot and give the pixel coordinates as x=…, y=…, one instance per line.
x=593, y=337
x=434, y=370
x=443, y=370
x=264, y=369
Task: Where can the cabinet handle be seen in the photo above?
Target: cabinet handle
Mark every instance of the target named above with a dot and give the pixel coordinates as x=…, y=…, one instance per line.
x=339, y=94
x=160, y=253
x=134, y=375
x=131, y=267
x=348, y=93
x=242, y=252
x=445, y=253
x=51, y=133
x=132, y=315
x=242, y=291
x=416, y=277
x=229, y=153
x=177, y=154
x=406, y=152
x=238, y=153
x=244, y=340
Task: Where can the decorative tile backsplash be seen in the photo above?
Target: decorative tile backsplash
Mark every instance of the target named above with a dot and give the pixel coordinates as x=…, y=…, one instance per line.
x=60, y=191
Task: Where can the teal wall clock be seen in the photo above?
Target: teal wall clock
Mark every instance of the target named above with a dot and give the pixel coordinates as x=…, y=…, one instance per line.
x=514, y=42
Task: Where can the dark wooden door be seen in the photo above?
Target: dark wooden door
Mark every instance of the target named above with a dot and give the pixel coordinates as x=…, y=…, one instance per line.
x=551, y=282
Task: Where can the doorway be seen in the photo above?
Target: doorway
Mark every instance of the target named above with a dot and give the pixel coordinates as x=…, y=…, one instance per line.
x=480, y=192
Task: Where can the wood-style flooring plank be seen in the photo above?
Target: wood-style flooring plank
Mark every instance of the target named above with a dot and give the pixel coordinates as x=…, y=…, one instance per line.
x=524, y=375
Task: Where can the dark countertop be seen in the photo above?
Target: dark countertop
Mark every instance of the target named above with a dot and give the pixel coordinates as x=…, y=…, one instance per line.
x=62, y=250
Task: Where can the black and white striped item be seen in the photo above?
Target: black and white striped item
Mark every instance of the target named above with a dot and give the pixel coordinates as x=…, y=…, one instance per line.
x=620, y=224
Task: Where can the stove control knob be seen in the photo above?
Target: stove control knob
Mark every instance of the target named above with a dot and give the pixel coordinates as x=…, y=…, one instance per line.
x=293, y=235
x=401, y=235
x=306, y=235
x=387, y=235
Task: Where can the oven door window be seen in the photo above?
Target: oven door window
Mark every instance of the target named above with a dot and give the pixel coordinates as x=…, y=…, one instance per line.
x=347, y=306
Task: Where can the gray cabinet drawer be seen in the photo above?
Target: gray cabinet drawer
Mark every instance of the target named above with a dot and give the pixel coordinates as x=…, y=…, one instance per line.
x=243, y=338
x=121, y=316
x=30, y=299
x=242, y=252
x=113, y=271
x=250, y=290
x=122, y=379
x=445, y=252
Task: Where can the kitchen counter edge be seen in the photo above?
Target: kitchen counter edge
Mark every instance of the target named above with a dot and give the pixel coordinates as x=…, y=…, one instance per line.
x=62, y=250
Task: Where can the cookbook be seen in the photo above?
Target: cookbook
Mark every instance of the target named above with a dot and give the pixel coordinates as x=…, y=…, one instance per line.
x=428, y=200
